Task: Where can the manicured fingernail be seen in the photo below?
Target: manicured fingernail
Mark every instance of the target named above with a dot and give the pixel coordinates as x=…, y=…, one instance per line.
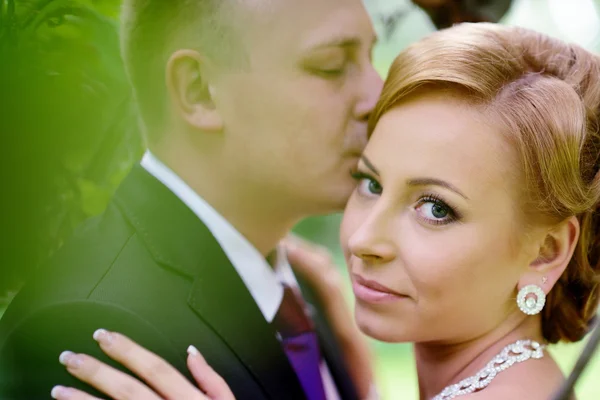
x=64, y=357
x=192, y=351
x=56, y=392
x=103, y=336
x=70, y=359
x=61, y=393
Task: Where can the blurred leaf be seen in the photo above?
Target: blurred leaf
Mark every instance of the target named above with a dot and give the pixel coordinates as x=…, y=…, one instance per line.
x=68, y=126
x=94, y=197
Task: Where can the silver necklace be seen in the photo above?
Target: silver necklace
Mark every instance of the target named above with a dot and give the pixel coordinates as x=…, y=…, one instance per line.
x=514, y=353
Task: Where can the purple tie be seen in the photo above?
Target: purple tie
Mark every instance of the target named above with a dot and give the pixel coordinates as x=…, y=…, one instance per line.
x=300, y=343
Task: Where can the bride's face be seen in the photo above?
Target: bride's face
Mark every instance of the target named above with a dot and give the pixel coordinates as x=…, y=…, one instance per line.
x=435, y=222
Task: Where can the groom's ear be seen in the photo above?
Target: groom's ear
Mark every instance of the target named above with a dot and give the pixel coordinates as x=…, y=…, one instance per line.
x=190, y=90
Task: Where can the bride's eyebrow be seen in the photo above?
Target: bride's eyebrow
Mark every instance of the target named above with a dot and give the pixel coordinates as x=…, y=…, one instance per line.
x=369, y=164
x=435, y=182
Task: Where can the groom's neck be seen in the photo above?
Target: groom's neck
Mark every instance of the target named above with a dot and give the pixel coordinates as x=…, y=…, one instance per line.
x=262, y=219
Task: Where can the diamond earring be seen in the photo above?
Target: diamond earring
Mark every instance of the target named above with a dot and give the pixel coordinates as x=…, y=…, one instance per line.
x=531, y=305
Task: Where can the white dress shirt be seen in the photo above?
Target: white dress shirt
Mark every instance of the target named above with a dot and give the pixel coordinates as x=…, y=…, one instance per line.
x=262, y=281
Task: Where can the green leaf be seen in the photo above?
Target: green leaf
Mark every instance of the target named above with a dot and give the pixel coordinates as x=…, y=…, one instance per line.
x=94, y=198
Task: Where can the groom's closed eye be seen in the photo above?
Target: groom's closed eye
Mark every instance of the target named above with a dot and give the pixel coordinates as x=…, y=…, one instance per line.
x=328, y=62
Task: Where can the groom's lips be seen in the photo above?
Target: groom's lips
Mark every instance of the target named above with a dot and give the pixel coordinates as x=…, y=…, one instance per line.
x=373, y=292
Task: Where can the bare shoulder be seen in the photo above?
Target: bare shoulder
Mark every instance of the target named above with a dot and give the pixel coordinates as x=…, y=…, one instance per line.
x=531, y=380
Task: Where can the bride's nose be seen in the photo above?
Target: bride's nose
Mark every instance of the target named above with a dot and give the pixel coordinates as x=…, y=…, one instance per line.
x=372, y=241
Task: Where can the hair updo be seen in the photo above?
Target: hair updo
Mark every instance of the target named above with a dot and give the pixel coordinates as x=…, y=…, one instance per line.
x=546, y=95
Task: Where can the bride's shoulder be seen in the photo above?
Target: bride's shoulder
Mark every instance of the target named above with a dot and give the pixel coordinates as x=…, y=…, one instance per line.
x=508, y=392
x=535, y=380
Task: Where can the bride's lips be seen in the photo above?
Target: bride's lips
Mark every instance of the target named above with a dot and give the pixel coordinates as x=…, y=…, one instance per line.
x=373, y=292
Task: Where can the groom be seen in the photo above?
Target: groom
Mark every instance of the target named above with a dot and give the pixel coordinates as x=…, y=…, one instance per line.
x=254, y=113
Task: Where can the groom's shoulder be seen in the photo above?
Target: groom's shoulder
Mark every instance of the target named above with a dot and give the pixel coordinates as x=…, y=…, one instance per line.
x=98, y=246
x=103, y=251
x=93, y=248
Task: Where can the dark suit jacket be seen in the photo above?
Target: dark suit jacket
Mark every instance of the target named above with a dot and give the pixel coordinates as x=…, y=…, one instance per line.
x=148, y=268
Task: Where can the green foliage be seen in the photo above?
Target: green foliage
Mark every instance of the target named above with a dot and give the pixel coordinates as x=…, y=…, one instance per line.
x=68, y=126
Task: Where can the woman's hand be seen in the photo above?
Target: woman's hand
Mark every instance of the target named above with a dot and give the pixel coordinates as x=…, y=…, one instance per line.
x=163, y=381
x=316, y=265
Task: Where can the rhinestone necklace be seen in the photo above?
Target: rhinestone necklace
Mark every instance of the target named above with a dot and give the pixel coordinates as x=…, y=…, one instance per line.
x=514, y=353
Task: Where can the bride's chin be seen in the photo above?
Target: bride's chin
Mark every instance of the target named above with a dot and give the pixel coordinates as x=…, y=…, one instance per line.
x=381, y=328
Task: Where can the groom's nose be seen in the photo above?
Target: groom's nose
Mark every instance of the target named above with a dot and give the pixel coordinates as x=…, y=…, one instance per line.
x=371, y=86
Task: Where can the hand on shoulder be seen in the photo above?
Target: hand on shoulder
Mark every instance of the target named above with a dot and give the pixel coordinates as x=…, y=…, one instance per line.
x=154, y=378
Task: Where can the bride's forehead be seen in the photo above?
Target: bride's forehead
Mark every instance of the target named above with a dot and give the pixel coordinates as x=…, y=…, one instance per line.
x=437, y=125
x=441, y=139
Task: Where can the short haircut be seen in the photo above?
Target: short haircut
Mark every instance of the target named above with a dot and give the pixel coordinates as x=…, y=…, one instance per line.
x=151, y=30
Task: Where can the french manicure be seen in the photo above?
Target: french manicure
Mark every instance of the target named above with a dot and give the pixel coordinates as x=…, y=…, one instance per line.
x=60, y=392
x=192, y=351
x=70, y=359
x=102, y=336
x=64, y=357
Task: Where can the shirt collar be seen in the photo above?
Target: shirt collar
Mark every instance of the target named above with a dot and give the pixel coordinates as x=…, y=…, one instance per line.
x=262, y=281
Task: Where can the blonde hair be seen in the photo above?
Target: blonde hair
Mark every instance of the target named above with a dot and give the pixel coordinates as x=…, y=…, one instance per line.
x=546, y=95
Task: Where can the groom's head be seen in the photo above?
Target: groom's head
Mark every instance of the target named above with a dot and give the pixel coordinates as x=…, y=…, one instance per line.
x=275, y=91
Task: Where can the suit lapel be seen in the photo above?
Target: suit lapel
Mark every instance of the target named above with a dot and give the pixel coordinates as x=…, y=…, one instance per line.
x=244, y=329
x=177, y=239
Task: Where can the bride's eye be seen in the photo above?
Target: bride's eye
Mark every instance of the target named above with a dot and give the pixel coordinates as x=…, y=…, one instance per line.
x=367, y=185
x=435, y=211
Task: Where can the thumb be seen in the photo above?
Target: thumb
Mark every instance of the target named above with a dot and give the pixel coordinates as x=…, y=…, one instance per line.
x=313, y=262
x=305, y=252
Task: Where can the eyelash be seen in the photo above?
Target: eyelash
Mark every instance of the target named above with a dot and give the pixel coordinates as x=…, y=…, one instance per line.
x=435, y=199
x=453, y=215
x=359, y=176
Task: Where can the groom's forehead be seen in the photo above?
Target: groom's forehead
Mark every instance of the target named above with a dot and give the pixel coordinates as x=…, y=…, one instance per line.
x=267, y=12
x=310, y=23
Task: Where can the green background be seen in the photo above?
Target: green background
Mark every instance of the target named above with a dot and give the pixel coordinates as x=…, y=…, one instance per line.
x=56, y=38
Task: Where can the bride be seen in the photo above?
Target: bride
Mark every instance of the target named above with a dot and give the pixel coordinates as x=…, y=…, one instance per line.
x=473, y=230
